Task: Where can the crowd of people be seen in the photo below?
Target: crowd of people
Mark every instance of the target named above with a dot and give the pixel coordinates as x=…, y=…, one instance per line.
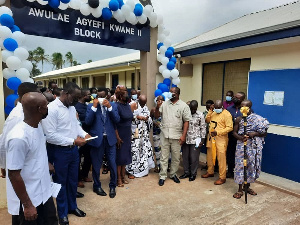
x=59, y=134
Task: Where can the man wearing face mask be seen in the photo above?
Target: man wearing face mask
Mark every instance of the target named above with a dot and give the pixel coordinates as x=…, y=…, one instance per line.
x=174, y=126
x=228, y=102
x=220, y=124
x=64, y=135
x=84, y=151
x=235, y=113
x=134, y=96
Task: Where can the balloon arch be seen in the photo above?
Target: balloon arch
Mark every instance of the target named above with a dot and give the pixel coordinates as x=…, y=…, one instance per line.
x=15, y=56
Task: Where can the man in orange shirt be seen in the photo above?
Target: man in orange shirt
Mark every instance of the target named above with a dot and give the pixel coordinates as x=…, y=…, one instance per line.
x=221, y=120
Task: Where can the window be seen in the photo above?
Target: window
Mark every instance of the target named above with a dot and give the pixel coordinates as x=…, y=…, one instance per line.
x=220, y=77
x=132, y=80
x=85, y=82
x=74, y=80
x=115, y=81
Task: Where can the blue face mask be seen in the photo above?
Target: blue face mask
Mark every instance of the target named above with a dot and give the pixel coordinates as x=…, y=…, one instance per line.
x=94, y=96
x=218, y=110
x=228, y=98
x=134, y=97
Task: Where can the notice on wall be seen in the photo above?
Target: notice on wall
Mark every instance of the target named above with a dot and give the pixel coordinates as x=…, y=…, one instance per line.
x=274, y=98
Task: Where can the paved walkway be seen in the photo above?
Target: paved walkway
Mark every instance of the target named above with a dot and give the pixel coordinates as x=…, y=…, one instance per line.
x=142, y=201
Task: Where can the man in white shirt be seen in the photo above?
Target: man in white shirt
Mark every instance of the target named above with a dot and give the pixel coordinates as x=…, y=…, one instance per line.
x=15, y=116
x=64, y=134
x=28, y=183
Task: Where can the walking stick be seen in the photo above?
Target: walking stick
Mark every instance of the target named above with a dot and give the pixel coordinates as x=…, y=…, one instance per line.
x=244, y=111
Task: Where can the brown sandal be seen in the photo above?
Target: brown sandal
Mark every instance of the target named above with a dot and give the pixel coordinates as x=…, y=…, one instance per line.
x=238, y=195
x=119, y=183
x=251, y=191
x=130, y=176
x=124, y=181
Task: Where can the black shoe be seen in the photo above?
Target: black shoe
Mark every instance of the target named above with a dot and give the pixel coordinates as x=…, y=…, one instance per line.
x=63, y=221
x=161, y=182
x=77, y=212
x=192, y=178
x=112, y=192
x=99, y=191
x=175, y=179
x=229, y=175
x=183, y=176
x=79, y=195
x=105, y=171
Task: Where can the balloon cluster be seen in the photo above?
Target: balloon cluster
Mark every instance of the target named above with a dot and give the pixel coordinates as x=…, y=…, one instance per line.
x=133, y=12
x=14, y=55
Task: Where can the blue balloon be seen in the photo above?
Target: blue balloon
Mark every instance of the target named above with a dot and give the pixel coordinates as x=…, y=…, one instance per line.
x=171, y=65
x=54, y=3
x=15, y=28
x=172, y=49
x=65, y=1
x=173, y=59
x=10, y=100
x=159, y=45
x=158, y=92
x=106, y=13
x=173, y=85
x=114, y=5
x=7, y=20
x=138, y=9
x=159, y=85
x=169, y=54
x=13, y=83
x=7, y=109
x=10, y=44
x=121, y=3
x=15, y=92
x=164, y=88
x=167, y=81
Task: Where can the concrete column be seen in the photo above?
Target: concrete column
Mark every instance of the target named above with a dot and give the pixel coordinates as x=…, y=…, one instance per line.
x=109, y=80
x=79, y=82
x=91, y=81
x=149, y=69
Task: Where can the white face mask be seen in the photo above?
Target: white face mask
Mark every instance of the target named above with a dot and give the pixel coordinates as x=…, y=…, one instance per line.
x=218, y=110
x=134, y=97
x=101, y=100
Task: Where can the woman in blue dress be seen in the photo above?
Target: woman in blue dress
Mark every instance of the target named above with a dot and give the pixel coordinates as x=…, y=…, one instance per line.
x=123, y=133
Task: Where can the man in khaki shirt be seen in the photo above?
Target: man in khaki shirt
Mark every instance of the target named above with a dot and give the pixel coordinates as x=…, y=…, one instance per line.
x=223, y=121
x=175, y=117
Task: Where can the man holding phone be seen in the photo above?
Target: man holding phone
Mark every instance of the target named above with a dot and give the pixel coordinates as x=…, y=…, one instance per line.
x=102, y=117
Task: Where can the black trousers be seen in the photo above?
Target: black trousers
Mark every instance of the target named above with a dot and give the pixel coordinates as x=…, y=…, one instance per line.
x=230, y=154
x=87, y=162
x=190, y=157
x=46, y=215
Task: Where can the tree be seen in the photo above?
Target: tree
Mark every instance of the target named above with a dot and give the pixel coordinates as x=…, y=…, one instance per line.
x=57, y=60
x=40, y=56
x=69, y=57
x=89, y=61
x=75, y=63
x=35, y=70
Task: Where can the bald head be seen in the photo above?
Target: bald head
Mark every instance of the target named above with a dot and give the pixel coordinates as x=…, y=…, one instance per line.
x=246, y=103
x=34, y=106
x=142, y=100
x=49, y=96
x=218, y=104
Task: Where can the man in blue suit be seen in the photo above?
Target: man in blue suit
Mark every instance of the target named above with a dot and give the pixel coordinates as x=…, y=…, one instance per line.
x=102, y=117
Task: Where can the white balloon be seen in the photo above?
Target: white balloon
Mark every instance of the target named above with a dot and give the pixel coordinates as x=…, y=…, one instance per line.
x=42, y=2
x=162, y=68
x=174, y=73
x=23, y=74
x=163, y=49
x=121, y=19
x=118, y=14
x=30, y=80
x=13, y=63
x=62, y=6
x=176, y=81
x=6, y=10
x=2, y=2
x=167, y=42
x=125, y=10
x=160, y=19
x=5, y=32
x=97, y=12
x=27, y=65
x=142, y=19
x=131, y=4
x=1, y=43
x=30, y=0
x=84, y=1
x=153, y=17
x=161, y=28
x=85, y=9
x=75, y=4
x=19, y=37
x=153, y=24
x=148, y=9
x=131, y=18
x=21, y=53
x=104, y=3
x=166, y=32
x=159, y=57
x=6, y=54
x=8, y=73
x=166, y=73
x=165, y=61
x=161, y=38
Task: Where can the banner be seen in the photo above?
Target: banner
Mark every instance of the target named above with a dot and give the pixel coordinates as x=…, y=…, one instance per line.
x=35, y=19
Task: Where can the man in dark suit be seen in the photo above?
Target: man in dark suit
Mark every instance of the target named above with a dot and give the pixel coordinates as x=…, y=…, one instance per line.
x=102, y=117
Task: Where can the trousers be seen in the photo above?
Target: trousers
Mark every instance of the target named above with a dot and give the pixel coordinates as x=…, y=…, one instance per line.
x=190, y=156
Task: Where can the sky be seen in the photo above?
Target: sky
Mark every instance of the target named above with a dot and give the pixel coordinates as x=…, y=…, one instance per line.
x=184, y=18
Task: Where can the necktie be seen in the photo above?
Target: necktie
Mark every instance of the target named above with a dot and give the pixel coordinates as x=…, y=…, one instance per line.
x=104, y=112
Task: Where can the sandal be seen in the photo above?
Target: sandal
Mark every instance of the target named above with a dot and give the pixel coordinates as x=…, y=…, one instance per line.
x=119, y=183
x=125, y=181
x=238, y=195
x=251, y=191
x=130, y=176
